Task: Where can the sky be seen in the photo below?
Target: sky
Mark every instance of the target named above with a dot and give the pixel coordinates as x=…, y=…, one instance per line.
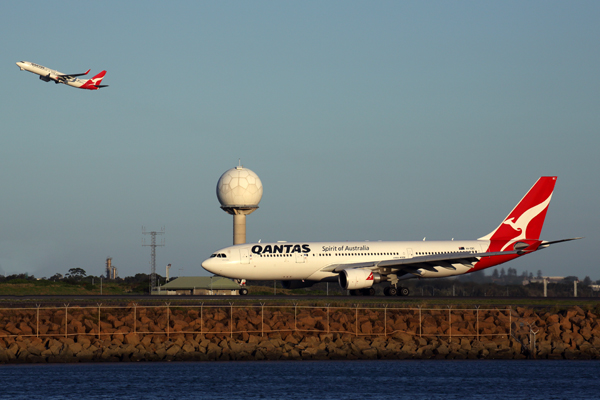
x=387, y=120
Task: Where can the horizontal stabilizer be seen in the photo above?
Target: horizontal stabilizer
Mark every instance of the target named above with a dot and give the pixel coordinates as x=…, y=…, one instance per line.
x=546, y=244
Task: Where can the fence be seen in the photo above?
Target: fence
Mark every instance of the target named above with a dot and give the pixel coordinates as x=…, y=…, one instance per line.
x=245, y=320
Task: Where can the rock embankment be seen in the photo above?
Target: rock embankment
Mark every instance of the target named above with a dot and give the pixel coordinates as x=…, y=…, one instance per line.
x=293, y=333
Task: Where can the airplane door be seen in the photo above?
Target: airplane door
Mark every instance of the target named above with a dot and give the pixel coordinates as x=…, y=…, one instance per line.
x=300, y=258
x=409, y=253
x=244, y=256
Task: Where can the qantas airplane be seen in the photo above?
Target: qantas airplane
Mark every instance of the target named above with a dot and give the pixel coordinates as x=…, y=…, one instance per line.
x=47, y=75
x=357, y=266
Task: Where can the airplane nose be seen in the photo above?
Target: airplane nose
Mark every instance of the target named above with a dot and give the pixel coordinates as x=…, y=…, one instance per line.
x=209, y=264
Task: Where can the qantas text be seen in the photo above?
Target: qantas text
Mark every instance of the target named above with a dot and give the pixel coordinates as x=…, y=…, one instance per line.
x=281, y=248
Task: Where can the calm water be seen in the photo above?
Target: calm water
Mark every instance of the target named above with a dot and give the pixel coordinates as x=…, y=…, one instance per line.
x=306, y=380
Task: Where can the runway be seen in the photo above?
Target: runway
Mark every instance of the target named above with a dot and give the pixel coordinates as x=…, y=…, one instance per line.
x=123, y=300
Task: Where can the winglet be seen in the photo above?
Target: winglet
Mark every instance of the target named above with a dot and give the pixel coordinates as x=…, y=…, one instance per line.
x=87, y=72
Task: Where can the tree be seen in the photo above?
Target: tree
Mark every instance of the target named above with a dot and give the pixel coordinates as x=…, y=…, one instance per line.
x=495, y=274
x=76, y=273
x=539, y=274
x=587, y=281
x=55, y=277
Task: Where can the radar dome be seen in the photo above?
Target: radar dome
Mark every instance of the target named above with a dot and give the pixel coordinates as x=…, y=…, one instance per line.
x=239, y=187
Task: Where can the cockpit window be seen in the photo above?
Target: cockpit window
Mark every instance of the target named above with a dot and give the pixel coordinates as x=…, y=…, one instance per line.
x=213, y=255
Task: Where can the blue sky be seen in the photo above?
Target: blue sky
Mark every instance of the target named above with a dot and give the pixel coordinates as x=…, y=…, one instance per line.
x=382, y=120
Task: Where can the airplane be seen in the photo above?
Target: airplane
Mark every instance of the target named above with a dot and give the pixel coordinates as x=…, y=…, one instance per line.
x=47, y=75
x=357, y=266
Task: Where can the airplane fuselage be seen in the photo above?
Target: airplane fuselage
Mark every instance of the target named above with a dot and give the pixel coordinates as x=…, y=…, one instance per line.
x=47, y=75
x=310, y=260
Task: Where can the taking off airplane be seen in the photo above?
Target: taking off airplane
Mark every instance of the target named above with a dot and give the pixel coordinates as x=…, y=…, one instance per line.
x=47, y=75
x=357, y=266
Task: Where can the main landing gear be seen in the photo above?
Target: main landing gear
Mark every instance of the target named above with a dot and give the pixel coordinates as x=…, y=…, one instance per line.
x=396, y=291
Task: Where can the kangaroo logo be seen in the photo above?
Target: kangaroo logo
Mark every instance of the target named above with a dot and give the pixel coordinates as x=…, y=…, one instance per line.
x=522, y=222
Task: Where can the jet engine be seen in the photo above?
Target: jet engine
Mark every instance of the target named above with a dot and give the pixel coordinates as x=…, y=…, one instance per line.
x=351, y=279
x=297, y=284
x=45, y=78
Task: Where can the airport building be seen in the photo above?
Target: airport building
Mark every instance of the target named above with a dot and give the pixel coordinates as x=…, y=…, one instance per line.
x=199, y=285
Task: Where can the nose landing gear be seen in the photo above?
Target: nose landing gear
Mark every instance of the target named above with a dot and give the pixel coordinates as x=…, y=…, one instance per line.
x=243, y=290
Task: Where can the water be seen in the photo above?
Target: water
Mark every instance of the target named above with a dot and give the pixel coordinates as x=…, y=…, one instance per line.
x=306, y=380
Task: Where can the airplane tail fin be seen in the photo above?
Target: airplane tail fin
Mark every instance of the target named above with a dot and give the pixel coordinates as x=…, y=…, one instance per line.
x=94, y=83
x=525, y=221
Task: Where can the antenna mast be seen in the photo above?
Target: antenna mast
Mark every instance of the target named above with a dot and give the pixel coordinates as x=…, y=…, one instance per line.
x=153, y=247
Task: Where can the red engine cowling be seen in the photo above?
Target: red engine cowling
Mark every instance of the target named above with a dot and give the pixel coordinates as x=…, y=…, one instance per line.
x=351, y=279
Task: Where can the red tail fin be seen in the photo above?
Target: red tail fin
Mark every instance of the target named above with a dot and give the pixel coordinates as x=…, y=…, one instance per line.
x=525, y=221
x=94, y=83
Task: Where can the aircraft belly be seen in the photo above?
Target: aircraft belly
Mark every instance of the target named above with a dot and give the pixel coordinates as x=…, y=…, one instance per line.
x=257, y=270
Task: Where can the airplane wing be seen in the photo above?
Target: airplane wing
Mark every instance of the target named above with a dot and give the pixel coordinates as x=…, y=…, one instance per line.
x=412, y=265
x=402, y=266
x=69, y=76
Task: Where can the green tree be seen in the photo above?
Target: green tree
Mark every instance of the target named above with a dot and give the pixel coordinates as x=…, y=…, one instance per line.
x=76, y=273
x=55, y=277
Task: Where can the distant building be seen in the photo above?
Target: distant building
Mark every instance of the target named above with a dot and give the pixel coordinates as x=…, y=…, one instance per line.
x=111, y=270
x=199, y=285
x=549, y=279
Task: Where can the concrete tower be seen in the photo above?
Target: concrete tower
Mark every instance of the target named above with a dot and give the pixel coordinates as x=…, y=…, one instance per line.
x=239, y=191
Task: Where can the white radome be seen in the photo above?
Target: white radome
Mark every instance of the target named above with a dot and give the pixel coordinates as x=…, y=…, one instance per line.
x=239, y=187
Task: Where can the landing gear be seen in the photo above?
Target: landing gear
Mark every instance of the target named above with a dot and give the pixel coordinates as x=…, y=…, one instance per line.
x=243, y=291
x=394, y=291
